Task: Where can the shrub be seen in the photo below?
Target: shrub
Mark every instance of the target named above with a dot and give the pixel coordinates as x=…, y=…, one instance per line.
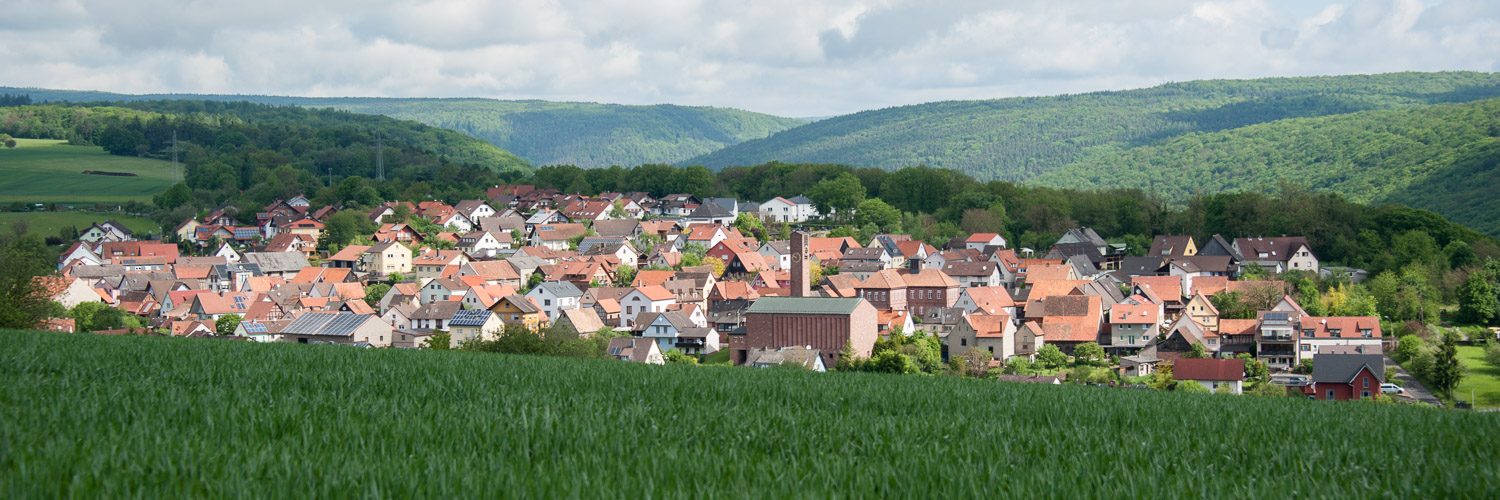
x=1191, y=386
x=1408, y=347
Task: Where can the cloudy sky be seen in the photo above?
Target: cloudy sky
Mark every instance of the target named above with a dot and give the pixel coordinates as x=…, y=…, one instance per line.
x=788, y=57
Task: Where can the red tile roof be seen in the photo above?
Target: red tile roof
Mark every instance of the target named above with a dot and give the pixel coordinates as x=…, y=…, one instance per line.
x=1208, y=369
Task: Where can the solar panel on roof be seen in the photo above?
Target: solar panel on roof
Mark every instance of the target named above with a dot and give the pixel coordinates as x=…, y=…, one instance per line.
x=615, y=351
x=253, y=327
x=239, y=302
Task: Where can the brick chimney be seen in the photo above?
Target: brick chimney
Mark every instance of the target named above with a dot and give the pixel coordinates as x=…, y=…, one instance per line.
x=800, y=265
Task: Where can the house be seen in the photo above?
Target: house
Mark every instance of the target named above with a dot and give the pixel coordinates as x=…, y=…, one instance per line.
x=556, y=235
x=1277, y=255
x=676, y=205
x=473, y=324
x=1220, y=376
x=1140, y=364
x=1341, y=377
x=305, y=227
x=928, y=291
x=778, y=209
x=474, y=209
x=1133, y=324
x=644, y=299
x=338, y=328
x=387, y=258
x=555, y=296
x=1173, y=246
x=520, y=310
x=978, y=241
x=986, y=300
x=710, y=213
x=442, y=290
x=675, y=330
x=433, y=263
x=825, y=324
x=1180, y=337
x=1324, y=334
x=871, y=255
x=348, y=258
x=583, y=321
x=636, y=350
x=582, y=210
x=807, y=358
x=397, y=232
x=777, y=253
x=1070, y=320
x=984, y=331
x=283, y=264
x=974, y=274
x=434, y=316
x=67, y=291
x=484, y=243
x=79, y=252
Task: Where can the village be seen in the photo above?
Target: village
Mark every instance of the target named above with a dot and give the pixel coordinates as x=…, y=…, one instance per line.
x=677, y=274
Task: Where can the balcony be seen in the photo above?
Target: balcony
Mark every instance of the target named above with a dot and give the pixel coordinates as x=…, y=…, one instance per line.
x=691, y=342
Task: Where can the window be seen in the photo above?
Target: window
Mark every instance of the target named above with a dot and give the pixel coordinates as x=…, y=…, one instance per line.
x=1364, y=394
x=1329, y=396
x=963, y=342
x=547, y=302
x=1367, y=382
x=1306, y=347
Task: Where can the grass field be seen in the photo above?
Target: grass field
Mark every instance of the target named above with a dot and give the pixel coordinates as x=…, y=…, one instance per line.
x=49, y=223
x=41, y=171
x=94, y=416
x=1482, y=382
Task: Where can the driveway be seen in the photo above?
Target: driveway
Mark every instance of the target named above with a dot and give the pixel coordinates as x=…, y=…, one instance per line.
x=1414, y=389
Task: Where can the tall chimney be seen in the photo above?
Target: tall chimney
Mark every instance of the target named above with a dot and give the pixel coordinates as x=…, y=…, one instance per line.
x=800, y=265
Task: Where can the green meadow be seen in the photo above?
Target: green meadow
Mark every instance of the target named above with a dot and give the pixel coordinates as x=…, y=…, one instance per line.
x=49, y=223
x=49, y=171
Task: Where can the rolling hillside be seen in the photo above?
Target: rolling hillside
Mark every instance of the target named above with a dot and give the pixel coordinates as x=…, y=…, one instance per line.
x=543, y=132
x=1441, y=158
x=96, y=416
x=1019, y=138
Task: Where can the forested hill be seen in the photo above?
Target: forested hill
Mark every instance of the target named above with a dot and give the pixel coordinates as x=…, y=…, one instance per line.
x=543, y=132
x=1018, y=138
x=1441, y=158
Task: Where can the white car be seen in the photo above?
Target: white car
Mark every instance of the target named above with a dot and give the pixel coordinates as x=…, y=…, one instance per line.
x=1390, y=388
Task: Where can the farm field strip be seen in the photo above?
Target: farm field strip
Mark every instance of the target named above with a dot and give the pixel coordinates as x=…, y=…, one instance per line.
x=84, y=415
x=52, y=172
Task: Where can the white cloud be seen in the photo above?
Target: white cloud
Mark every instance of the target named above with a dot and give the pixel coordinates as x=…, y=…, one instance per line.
x=789, y=57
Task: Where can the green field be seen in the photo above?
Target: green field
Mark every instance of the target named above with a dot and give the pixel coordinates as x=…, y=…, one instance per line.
x=49, y=223
x=43, y=171
x=94, y=416
x=1482, y=382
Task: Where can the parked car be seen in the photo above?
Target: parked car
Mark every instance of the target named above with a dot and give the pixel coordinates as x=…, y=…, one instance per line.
x=1390, y=388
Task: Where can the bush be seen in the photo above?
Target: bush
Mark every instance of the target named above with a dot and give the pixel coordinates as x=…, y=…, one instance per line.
x=1191, y=386
x=1267, y=389
x=1492, y=353
x=1421, y=363
x=1408, y=347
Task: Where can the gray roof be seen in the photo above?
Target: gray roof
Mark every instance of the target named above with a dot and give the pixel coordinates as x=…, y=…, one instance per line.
x=710, y=211
x=471, y=317
x=804, y=305
x=729, y=204
x=277, y=262
x=444, y=310
x=800, y=200
x=1341, y=368
x=559, y=289
x=327, y=324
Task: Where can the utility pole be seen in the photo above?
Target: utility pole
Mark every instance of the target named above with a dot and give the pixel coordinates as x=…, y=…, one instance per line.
x=379, y=159
x=330, y=175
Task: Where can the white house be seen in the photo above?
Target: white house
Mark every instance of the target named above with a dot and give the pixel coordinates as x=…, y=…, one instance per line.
x=978, y=241
x=555, y=296
x=441, y=290
x=654, y=298
x=797, y=209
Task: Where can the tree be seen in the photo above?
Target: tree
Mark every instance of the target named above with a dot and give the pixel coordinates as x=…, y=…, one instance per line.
x=749, y=224
x=534, y=280
x=177, y=195
x=438, y=341
x=1407, y=347
x=1020, y=366
x=715, y=263
x=375, y=292
x=1196, y=352
x=846, y=360
x=343, y=228
x=840, y=195
x=877, y=212
x=225, y=325
x=1255, y=370
x=22, y=302
x=1447, y=372
x=892, y=362
x=624, y=275
x=1477, y=302
x=974, y=362
x=1050, y=357
x=1090, y=353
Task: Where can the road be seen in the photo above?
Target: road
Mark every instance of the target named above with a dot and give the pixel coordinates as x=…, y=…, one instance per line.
x=1414, y=389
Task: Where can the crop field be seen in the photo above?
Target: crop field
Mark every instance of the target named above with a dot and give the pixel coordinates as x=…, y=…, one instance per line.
x=94, y=416
x=49, y=223
x=42, y=171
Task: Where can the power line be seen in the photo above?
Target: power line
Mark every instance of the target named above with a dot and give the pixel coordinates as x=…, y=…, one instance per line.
x=379, y=159
x=176, y=177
